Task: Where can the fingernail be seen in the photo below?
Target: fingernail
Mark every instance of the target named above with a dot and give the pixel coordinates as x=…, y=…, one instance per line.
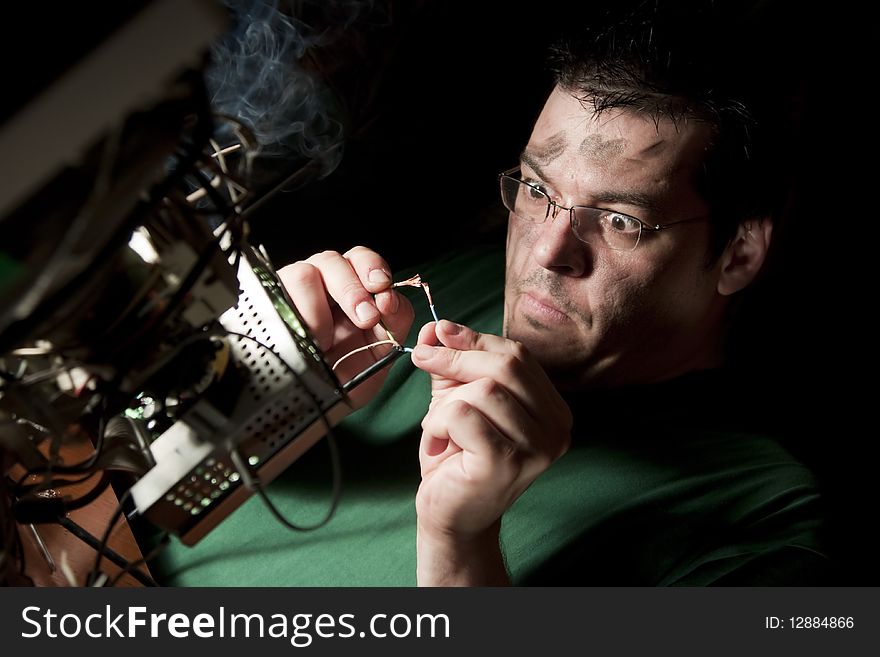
x=366, y=311
x=423, y=352
x=451, y=327
x=378, y=276
x=395, y=302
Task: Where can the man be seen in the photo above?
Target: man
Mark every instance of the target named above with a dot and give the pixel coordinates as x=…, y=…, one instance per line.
x=640, y=207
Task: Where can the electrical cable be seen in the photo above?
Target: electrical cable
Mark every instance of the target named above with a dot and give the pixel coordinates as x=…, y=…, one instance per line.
x=85, y=466
x=364, y=348
x=360, y=377
x=416, y=281
x=132, y=565
x=253, y=482
x=102, y=546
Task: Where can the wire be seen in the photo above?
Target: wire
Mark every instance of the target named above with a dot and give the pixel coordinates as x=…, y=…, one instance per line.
x=416, y=281
x=364, y=348
x=152, y=554
x=93, y=494
x=360, y=377
x=22, y=489
x=412, y=281
x=85, y=467
x=102, y=546
x=252, y=481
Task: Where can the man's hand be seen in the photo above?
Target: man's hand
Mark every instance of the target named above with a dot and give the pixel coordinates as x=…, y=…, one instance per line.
x=495, y=423
x=334, y=295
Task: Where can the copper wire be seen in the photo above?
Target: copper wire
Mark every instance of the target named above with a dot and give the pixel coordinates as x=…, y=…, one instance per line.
x=412, y=281
x=416, y=281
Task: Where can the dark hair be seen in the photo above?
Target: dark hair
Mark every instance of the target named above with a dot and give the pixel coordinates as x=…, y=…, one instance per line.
x=691, y=60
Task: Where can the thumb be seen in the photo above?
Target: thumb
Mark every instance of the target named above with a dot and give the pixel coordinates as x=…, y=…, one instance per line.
x=439, y=384
x=428, y=335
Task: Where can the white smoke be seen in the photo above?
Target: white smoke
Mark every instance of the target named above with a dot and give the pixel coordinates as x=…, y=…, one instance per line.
x=261, y=76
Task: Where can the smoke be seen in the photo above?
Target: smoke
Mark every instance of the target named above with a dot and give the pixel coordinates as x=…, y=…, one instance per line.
x=265, y=73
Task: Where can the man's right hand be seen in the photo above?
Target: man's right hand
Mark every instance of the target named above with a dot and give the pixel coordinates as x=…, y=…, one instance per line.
x=334, y=294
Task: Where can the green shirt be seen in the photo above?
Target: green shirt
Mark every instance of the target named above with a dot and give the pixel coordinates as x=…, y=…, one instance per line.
x=666, y=484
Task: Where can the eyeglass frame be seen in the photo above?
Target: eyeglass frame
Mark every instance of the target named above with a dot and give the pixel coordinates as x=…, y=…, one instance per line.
x=550, y=202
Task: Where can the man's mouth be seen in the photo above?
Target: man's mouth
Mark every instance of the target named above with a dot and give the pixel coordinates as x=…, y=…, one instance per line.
x=542, y=309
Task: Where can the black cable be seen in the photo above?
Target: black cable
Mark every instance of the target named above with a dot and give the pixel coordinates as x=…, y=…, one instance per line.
x=360, y=377
x=101, y=548
x=93, y=494
x=36, y=509
x=132, y=565
x=22, y=489
x=19, y=547
x=253, y=483
x=85, y=467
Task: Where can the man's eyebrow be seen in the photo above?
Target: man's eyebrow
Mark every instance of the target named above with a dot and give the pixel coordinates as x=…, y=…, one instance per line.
x=636, y=199
x=532, y=162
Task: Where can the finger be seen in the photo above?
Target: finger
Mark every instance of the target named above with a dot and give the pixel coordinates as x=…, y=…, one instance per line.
x=375, y=274
x=507, y=361
x=306, y=288
x=459, y=336
x=397, y=313
x=346, y=288
x=436, y=448
x=371, y=268
x=505, y=413
x=428, y=335
x=467, y=366
x=467, y=429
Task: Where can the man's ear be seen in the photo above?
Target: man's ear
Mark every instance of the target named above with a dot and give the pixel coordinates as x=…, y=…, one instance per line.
x=744, y=256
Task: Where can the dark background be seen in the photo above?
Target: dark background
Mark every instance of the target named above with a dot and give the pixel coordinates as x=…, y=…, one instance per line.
x=437, y=97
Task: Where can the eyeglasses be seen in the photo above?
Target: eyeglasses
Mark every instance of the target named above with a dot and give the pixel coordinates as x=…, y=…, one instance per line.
x=607, y=228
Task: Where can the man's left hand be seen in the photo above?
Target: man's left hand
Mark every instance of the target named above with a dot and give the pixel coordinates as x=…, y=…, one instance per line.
x=495, y=423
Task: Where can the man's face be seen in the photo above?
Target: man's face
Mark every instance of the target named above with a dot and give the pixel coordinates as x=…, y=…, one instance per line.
x=591, y=315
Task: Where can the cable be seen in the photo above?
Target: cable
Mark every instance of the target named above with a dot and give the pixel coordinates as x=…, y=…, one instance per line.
x=85, y=467
x=252, y=481
x=416, y=281
x=364, y=348
x=101, y=549
x=21, y=489
x=360, y=377
x=152, y=554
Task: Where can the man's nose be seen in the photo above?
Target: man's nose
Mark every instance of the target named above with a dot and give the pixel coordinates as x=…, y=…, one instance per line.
x=557, y=248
